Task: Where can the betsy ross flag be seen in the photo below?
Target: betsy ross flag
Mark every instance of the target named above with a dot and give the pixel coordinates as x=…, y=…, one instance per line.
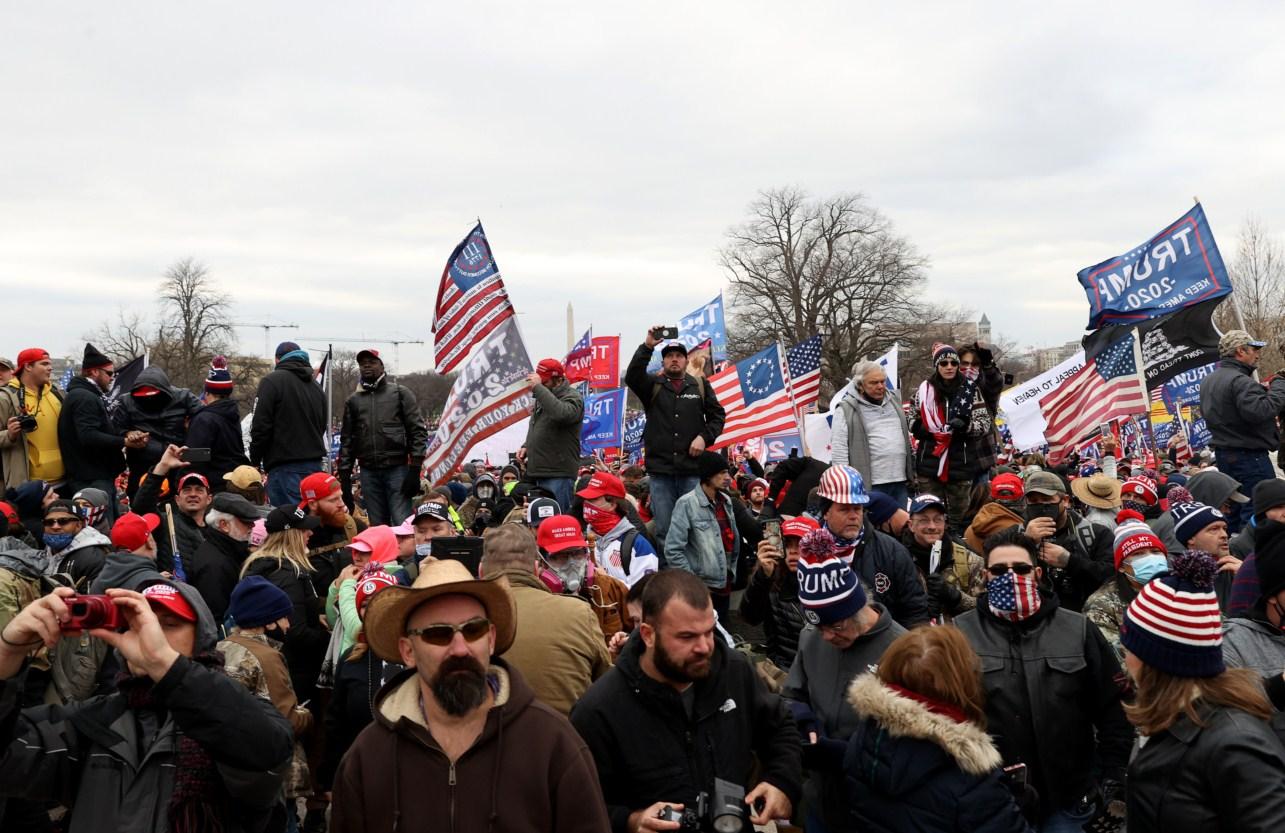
x=804, y=363
x=471, y=301
x=1108, y=387
x=757, y=396
x=491, y=393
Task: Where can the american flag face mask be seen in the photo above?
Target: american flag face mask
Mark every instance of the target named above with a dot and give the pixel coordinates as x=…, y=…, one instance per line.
x=1013, y=597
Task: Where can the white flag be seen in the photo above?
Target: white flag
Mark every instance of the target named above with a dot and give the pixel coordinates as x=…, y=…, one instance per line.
x=888, y=361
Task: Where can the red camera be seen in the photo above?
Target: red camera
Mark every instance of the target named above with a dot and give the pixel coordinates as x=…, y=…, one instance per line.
x=88, y=612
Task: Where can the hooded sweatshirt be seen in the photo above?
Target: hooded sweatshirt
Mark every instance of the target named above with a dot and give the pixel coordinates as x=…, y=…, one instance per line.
x=289, y=417
x=527, y=771
x=163, y=416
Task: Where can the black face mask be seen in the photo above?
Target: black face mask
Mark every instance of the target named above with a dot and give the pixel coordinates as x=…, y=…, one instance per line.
x=1043, y=510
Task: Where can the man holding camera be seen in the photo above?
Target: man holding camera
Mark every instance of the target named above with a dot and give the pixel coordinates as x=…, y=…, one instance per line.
x=113, y=759
x=683, y=419
x=30, y=405
x=681, y=716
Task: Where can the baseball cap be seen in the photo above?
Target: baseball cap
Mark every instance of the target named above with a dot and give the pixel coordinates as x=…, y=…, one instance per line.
x=1006, y=487
x=167, y=597
x=244, y=477
x=925, y=502
x=798, y=527
x=191, y=475
x=540, y=510
x=1231, y=341
x=602, y=483
x=130, y=531
x=317, y=486
x=7, y=364
x=433, y=511
x=406, y=527
x=369, y=351
x=1045, y=483
x=236, y=506
x=30, y=356
x=561, y=532
x=673, y=345
x=9, y=512
x=290, y=517
x=548, y=368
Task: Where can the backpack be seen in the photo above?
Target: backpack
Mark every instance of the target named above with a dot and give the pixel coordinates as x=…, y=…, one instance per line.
x=627, y=549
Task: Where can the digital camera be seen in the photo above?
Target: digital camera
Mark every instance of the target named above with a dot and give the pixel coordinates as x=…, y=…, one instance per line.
x=27, y=423
x=723, y=813
x=89, y=612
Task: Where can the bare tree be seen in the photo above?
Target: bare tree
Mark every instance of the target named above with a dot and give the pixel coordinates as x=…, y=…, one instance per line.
x=801, y=266
x=123, y=338
x=1258, y=286
x=431, y=391
x=194, y=319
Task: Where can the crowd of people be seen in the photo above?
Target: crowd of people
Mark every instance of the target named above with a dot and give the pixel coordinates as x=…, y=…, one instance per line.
x=923, y=633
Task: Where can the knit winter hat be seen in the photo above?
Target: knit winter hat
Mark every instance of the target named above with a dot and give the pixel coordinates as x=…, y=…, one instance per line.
x=1174, y=624
x=220, y=378
x=710, y=463
x=1141, y=489
x=93, y=359
x=1268, y=494
x=944, y=351
x=828, y=589
x=1179, y=494
x=368, y=584
x=1190, y=518
x=1132, y=535
x=286, y=347
x=257, y=602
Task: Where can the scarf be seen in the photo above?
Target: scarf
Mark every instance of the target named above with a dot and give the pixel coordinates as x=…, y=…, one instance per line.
x=1013, y=598
x=935, y=706
x=196, y=805
x=600, y=520
x=846, y=548
x=936, y=415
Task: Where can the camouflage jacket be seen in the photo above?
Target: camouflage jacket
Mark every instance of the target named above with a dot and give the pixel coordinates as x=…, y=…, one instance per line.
x=1105, y=608
x=255, y=661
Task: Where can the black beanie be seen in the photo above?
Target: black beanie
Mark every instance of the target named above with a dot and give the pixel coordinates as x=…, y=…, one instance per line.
x=1269, y=557
x=1268, y=494
x=710, y=463
x=94, y=359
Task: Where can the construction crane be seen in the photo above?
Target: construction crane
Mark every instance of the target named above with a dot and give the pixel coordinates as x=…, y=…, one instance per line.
x=396, y=342
x=267, y=329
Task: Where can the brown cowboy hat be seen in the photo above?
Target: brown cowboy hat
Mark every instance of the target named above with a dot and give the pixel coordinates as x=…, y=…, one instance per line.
x=390, y=608
x=1100, y=490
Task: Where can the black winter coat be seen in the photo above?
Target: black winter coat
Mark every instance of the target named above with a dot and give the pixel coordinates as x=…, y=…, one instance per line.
x=357, y=681
x=674, y=420
x=215, y=568
x=190, y=535
x=92, y=447
x=217, y=427
x=777, y=608
x=304, y=645
x=972, y=450
x=381, y=428
x=912, y=770
x=1091, y=562
x=885, y=566
x=164, y=418
x=1228, y=775
x=647, y=749
x=289, y=417
x=796, y=476
x=1240, y=412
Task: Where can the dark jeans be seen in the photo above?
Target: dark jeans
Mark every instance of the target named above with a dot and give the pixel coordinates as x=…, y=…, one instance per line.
x=666, y=489
x=1249, y=468
x=381, y=489
x=562, y=488
x=898, y=491
x=283, y=482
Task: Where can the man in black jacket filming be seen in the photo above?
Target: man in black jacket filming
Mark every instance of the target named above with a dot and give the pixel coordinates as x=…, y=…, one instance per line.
x=681, y=710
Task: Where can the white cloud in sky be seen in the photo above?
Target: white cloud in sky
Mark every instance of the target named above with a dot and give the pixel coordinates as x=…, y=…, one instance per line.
x=322, y=159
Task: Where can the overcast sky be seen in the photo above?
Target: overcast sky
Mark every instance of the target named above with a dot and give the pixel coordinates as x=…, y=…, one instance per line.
x=322, y=159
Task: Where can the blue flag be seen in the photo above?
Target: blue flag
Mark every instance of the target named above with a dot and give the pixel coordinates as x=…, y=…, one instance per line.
x=706, y=323
x=1178, y=267
x=633, y=441
x=601, y=426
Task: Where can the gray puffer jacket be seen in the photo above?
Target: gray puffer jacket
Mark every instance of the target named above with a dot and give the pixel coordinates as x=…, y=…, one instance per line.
x=115, y=765
x=553, y=439
x=1254, y=643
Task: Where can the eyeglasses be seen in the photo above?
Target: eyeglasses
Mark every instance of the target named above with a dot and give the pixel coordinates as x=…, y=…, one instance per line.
x=441, y=635
x=1019, y=568
x=948, y=363
x=50, y=523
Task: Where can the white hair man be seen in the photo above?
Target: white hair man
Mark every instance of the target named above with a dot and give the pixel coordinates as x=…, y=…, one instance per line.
x=871, y=435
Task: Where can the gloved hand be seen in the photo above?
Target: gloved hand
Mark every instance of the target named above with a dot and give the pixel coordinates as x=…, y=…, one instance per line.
x=826, y=755
x=411, y=483
x=942, y=595
x=957, y=424
x=345, y=489
x=984, y=355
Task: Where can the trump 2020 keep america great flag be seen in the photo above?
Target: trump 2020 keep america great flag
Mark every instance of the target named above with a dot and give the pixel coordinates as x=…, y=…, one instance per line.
x=471, y=301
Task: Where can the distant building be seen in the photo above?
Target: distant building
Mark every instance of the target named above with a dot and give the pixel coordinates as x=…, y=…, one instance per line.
x=984, y=329
x=1046, y=358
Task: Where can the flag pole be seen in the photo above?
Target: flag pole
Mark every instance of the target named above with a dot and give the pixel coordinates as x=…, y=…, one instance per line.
x=1235, y=305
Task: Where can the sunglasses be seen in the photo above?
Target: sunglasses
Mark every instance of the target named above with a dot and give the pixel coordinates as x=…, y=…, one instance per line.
x=948, y=363
x=1019, y=568
x=50, y=523
x=441, y=635
x=109, y=373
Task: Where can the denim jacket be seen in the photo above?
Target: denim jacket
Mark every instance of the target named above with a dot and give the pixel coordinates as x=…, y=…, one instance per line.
x=694, y=542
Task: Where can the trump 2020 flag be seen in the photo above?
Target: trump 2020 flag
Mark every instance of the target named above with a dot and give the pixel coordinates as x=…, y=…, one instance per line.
x=705, y=323
x=1178, y=267
x=579, y=363
x=606, y=362
x=603, y=418
x=757, y=397
x=490, y=394
x=471, y=301
x=632, y=446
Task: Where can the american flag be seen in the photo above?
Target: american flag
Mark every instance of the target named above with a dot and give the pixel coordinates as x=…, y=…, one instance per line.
x=471, y=301
x=491, y=393
x=756, y=393
x=804, y=362
x=1108, y=387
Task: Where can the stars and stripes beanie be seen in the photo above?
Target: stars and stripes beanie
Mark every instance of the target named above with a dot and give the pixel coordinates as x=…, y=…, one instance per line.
x=1190, y=518
x=219, y=379
x=1174, y=624
x=1132, y=535
x=828, y=589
